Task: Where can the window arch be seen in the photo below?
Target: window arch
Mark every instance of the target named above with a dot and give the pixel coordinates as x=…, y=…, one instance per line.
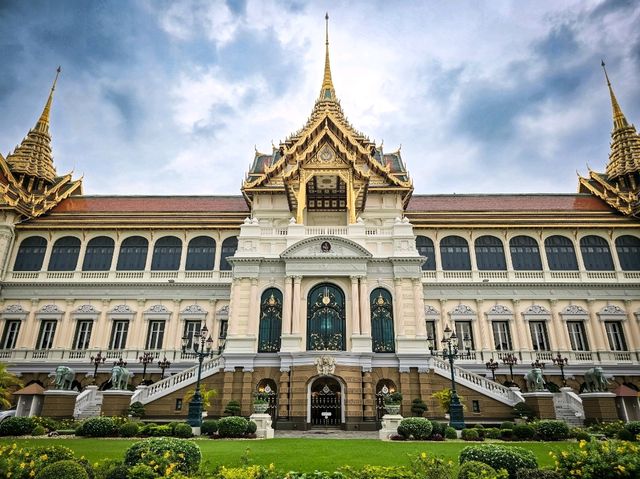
x=560, y=254
x=326, y=318
x=596, y=254
x=99, y=254
x=166, y=254
x=525, y=254
x=426, y=249
x=133, y=254
x=64, y=255
x=270, y=321
x=31, y=254
x=454, y=254
x=201, y=254
x=628, y=249
x=490, y=254
x=229, y=247
x=382, y=321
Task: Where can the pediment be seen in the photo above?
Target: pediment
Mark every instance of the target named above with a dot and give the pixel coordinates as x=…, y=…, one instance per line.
x=326, y=248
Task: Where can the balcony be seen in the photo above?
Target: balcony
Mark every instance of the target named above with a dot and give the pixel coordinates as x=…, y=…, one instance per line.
x=83, y=356
x=542, y=277
x=120, y=276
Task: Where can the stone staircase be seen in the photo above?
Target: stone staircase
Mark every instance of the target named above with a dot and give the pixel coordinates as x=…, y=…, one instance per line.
x=568, y=407
x=88, y=403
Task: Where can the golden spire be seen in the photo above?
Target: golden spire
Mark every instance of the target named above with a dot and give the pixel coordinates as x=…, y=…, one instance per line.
x=327, y=92
x=619, y=120
x=43, y=121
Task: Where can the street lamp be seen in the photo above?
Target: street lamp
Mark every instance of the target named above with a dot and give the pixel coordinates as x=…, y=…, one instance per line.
x=164, y=364
x=510, y=360
x=202, y=348
x=120, y=362
x=97, y=360
x=561, y=363
x=145, y=359
x=450, y=352
x=492, y=366
x=537, y=364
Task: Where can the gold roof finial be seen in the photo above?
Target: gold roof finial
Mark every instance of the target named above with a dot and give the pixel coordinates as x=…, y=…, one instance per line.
x=327, y=92
x=619, y=120
x=43, y=121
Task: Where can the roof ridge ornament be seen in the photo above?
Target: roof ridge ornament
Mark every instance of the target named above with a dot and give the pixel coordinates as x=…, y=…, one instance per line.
x=327, y=92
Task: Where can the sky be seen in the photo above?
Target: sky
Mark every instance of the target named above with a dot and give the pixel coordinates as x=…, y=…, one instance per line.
x=174, y=97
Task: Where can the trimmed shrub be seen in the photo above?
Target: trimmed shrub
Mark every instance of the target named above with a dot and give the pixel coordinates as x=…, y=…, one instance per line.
x=185, y=454
x=97, y=427
x=538, y=474
x=67, y=469
x=110, y=469
x=232, y=426
x=418, y=428
x=233, y=408
x=129, y=429
x=17, y=426
x=523, y=432
x=54, y=453
x=438, y=428
x=492, y=433
x=609, y=429
x=209, y=427
x=450, y=433
x=500, y=457
x=599, y=459
x=506, y=434
x=507, y=425
x=552, y=430
x=38, y=431
x=522, y=410
x=164, y=430
x=252, y=427
x=626, y=435
x=182, y=430
x=633, y=427
x=145, y=430
x=475, y=470
x=470, y=435
x=136, y=409
x=418, y=407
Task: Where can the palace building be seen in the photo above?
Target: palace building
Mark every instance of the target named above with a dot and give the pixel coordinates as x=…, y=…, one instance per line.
x=323, y=281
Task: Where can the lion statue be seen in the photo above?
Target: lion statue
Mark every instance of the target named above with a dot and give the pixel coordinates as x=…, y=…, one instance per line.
x=594, y=380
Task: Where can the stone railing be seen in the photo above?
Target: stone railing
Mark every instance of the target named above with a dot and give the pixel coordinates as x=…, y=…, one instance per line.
x=120, y=276
x=477, y=276
x=82, y=356
x=87, y=400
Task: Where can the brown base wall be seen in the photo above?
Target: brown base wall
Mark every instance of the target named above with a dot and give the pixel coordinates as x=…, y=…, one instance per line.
x=541, y=404
x=114, y=404
x=59, y=406
x=599, y=408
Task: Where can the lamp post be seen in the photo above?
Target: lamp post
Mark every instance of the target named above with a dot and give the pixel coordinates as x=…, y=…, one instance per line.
x=561, y=363
x=120, y=362
x=164, y=364
x=450, y=352
x=202, y=348
x=492, y=366
x=537, y=364
x=510, y=360
x=97, y=360
x=145, y=359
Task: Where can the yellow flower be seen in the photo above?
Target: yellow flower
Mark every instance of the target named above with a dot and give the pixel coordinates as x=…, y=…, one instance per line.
x=22, y=465
x=621, y=468
x=44, y=457
x=423, y=455
x=582, y=444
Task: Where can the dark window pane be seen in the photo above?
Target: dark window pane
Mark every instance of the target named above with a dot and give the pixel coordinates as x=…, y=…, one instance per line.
x=560, y=254
x=31, y=254
x=596, y=254
x=270, y=321
x=64, y=255
x=525, y=254
x=454, y=254
x=166, y=254
x=229, y=247
x=99, y=254
x=382, y=321
x=426, y=249
x=628, y=249
x=133, y=254
x=201, y=254
x=490, y=254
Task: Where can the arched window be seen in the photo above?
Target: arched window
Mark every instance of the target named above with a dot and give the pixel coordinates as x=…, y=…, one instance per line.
x=326, y=318
x=99, y=254
x=64, y=255
x=201, y=254
x=490, y=254
x=628, y=248
x=133, y=254
x=560, y=254
x=229, y=247
x=382, y=321
x=426, y=249
x=270, y=321
x=596, y=254
x=454, y=254
x=166, y=254
x=525, y=254
x=31, y=254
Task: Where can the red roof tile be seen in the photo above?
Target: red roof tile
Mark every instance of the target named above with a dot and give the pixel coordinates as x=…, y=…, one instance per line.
x=524, y=202
x=150, y=204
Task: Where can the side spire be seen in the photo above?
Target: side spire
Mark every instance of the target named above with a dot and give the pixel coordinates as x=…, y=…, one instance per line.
x=327, y=92
x=619, y=120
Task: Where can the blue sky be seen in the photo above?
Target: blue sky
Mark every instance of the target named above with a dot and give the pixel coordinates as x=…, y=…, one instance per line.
x=163, y=97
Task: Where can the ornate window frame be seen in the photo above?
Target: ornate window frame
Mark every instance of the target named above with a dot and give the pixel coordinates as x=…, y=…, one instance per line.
x=536, y=312
x=157, y=312
x=499, y=312
x=462, y=312
x=121, y=312
x=574, y=312
x=611, y=312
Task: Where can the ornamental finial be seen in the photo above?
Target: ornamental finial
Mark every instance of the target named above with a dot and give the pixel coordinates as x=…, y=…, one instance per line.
x=619, y=120
x=43, y=121
x=327, y=92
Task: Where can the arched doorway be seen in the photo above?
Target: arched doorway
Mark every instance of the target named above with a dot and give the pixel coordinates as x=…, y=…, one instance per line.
x=325, y=402
x=269, y=388
x=325, y=318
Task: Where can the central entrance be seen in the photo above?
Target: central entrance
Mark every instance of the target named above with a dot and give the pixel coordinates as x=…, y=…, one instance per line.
x=326, y=402
x=325, y=318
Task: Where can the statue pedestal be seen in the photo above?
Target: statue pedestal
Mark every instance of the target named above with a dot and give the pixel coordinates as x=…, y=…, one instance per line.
x=542, y=403
x=599, y=406
x=263, y=421
x=115, y=402
x=390, y=423
x=59, y=404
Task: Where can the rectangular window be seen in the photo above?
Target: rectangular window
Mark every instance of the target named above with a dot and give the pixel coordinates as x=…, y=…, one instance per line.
x=431, y=332
x=155, y=335
x=577, y=336
x=10, y=334
x=119, y=332
x=464, y=330
x=615, y=334
x=224, y=324
x=45, y=336
x=83, y=334
x=475, y=405
x=501, y=335
x=539, y=336
x=191, y=328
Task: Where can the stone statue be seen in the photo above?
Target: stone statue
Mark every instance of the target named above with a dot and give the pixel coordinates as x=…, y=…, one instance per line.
x=535, y=381
x=119, y=377
x=325, y=365
x=595, y=381
x=64, y=378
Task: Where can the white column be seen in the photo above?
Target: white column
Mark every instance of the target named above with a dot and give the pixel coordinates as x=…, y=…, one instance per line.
x=420, y=326
x=597, y=327
x=365, y=312
x=234, y=327
x=81, y=254
x=295, y=328
x=287, y=301
x=397, y=301
x=254, y=309
x=516, y=334
x=355, y=306
x=632, y=339
x=554, y=324
x=486, y=342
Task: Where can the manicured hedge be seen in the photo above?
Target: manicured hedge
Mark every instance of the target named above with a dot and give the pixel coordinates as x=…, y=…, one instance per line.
x=186, y=454
x=418, y=428
x=17, y=426
x=500, y=457
x=232, y=426
x=98, y=427
x=67, y=469
x=551, y=430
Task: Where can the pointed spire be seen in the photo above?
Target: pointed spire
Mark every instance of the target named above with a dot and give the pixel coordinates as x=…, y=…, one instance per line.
x=619, y=120
x=43, y=121
x=327, y=92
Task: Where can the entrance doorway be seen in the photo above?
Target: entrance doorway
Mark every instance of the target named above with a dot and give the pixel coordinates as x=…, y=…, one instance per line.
x=326, y=402
x=326, y=318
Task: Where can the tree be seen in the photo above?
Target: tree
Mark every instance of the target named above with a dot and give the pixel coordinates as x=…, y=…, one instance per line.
x=9, y=382
x=206, y=394
x=444, y=399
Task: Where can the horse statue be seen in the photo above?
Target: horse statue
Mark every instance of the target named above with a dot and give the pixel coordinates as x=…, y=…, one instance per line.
x=535, y=381
x=119, y=377
x=64, y=378
x=595, y=381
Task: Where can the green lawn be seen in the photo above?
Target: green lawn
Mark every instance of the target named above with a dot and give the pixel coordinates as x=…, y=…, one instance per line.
x=296, y=454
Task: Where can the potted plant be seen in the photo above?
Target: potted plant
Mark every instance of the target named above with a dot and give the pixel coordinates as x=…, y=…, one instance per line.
x=392, y=402
x=260, y=402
